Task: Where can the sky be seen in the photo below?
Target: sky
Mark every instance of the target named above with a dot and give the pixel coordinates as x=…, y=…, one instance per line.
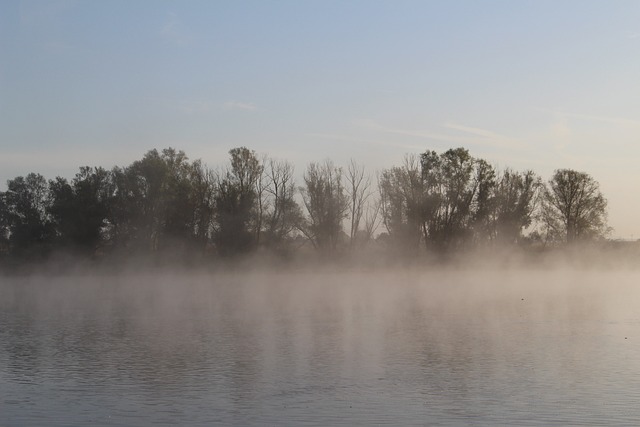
x=538, y=84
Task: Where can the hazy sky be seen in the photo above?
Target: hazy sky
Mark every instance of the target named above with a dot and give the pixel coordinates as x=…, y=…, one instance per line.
x=528, y=84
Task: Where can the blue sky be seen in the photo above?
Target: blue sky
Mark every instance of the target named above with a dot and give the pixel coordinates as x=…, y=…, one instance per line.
x=527, y=84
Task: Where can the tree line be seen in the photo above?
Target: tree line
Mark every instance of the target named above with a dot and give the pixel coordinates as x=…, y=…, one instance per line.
x=165, y=203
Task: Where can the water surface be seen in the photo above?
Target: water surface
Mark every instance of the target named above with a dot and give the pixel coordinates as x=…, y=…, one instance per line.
x=322, y=348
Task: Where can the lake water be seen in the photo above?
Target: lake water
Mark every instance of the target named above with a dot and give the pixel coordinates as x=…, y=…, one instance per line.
x=322, y=348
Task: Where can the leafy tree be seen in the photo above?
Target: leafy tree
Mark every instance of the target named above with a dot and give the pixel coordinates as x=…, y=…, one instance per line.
x=515, y=203
x=573, y=207
x=4, y=225
x=234, y=227
x=484, y=202
x=161, y=202
x=30, y=229
x=453, y=177
x=176, y=220
x=203, y=202
x=402, y=203
x=80, y=209
x=140, y=203
x=451, y=199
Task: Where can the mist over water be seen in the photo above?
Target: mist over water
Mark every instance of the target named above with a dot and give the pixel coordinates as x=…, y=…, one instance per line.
x=322, y=347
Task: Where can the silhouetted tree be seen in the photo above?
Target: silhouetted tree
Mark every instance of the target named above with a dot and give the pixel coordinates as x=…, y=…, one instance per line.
x=452, y=199
x=4, y=225
x=203, y=186
x=326, y=204
x=161, y=202
x=372, y=219
x=26, y=203
x=358, y=191
x=452, y=175
x=402, y=203
x=140, y=201
x=235, y=221
x=80, y=209
x=282, y=213
x=516, y=194
x=484, y=202
x=573, y=207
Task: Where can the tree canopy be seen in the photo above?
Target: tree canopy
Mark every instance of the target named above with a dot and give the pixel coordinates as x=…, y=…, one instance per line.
x=574, y=208
x=164, y=203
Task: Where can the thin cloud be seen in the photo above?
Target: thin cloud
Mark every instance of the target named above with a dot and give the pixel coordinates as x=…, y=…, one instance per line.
x=623, y=121
x=238, y=105
x=486, y=136
x=477, y=136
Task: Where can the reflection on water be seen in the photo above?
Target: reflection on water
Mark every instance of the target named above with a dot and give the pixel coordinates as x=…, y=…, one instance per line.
x=527, y=348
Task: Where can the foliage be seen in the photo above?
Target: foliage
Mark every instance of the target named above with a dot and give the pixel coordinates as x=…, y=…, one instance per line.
x=234, y=203
x=165, y=204
x=26, y=218
x=573, y=207
x=79, y=209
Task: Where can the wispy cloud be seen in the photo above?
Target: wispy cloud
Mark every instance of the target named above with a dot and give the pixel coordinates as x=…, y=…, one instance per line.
x=485, y=136
x=621, y=121
x=632, y=35
x=470, y=135
x=238, y=105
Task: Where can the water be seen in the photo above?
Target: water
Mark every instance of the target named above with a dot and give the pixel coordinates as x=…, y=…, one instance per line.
x=399, y=348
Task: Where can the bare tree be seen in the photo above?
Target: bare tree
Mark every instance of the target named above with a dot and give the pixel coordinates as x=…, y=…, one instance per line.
x=372, y=219
x=282, y=213
x=358, y=192
x=262, y=202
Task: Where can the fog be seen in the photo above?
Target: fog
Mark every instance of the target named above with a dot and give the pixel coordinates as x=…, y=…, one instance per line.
x=472, y=342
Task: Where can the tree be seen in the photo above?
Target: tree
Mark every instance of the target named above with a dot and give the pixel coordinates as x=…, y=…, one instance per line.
x=80, y=208
x=161, y=202
x=484, y=202
x=452, y=177
x=235, y=221
x=402, y=203
x=573, y=207
x=326, y=204
x=449, y=200
x=516, y=194
x=358, y=192
x=203, y=202
x=4, y=225
x=282, y=214
x=30, y=229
